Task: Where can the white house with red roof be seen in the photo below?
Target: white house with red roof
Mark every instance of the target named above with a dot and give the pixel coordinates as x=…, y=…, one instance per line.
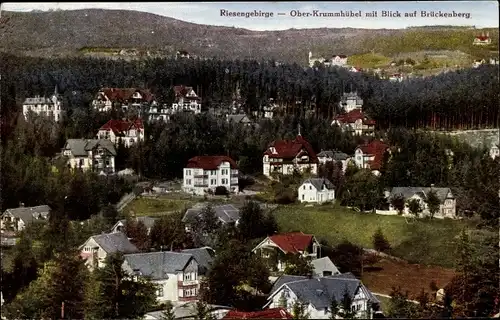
x=274, y=248
x=186, y=99
x=285, y=156
x=124, y=98
x=371, y=155
x=129, y=132
x=396, y=77
x=482, y=40
x=203, y=174
x=355, y=121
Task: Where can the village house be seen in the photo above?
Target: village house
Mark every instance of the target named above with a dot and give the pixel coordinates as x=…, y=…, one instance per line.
x=17, y=219
x=350, y=101
x=203, y=174
x=285, y=156
x=447, y=207
x=175, y=273
x=159, y=113
x=187, y=310
x=478, y=62
x=186, y=99
x=339, y=60
x=396, y=77
x=226, y=213
x=317, y=293
x=356, y=122
x=97, y=155
x=482, y=40
x=181, y=54
x=324, y=267
x=494, y=61
x=95, y=250
x=495, y=151
x=204, y=257
x=147, y=221
x=127, y=132
x=274, y=313
x=274, y=248
x=371, y=155
x=123, y=98
x=47, y=107
x=316, y=190
x=326, y=156
x=239, y=119
x=355, y=69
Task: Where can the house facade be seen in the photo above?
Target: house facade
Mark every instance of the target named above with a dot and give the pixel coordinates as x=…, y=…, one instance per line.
x=335, y=60
x=326, y=156
x=95, y=250
x=396, y=77
x=482, y=40
x=285, y=156
x=124, y=98
x=203, y=174
x=186, y=99
x=495, y=151
x=175, y=273
x=226, y=213
x=324, y=267
x=350, y=101
x=96, y=155
x=273, y=248
x=355, y=122
x=51, y=107
x=127, y=132
x=317, y=294
x=447, y=207
x=316, y=190
x=16, y=219
x=371, y=155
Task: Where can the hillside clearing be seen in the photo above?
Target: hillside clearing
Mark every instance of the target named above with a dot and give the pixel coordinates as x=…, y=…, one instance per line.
x=148, y=206
x=428, y=242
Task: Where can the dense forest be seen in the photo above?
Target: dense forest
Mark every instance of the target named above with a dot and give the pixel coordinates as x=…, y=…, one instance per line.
x=467, y=99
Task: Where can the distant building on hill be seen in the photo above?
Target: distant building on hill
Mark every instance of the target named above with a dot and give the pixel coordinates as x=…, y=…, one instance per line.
x=482, y=40
x=43, y=106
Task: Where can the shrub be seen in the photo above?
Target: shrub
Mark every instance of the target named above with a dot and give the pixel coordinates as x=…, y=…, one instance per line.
x=221, y=191
x=380, y=243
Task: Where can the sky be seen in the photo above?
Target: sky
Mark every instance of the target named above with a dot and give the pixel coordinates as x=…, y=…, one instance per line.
x=481, y=13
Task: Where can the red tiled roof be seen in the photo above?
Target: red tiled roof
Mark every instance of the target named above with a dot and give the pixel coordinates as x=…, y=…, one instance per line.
x=121, y=126
x=125, y=94
x=210, y=162
x=376, y=148
x=275, y=313
x=289, y=149
x=292, y=242
x=482, y=38
x=353, y=116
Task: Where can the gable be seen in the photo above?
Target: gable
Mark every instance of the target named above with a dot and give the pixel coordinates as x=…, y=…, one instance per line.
x=90, y=243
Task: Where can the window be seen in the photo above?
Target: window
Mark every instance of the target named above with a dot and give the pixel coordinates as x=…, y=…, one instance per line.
x=303, y=196
x=187, y=276
x=190, y=292
x=159, y=292
x=188, y=172
x=188, y=181
x=304, y=187
x=107, y=162
x=310, y=187
x=81, y=162
x=213, y=181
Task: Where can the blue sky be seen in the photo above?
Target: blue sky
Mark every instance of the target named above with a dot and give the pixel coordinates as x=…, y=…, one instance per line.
x=482, y=13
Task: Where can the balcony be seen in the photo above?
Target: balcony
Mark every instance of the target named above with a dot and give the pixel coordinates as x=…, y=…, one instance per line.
x=235, y=175
x=202, y=176
x=198, y=185
x=188, y=283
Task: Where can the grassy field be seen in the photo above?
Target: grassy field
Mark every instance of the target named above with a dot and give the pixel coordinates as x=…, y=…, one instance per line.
x=427, y=242
x=145, y=206
x=369, y=60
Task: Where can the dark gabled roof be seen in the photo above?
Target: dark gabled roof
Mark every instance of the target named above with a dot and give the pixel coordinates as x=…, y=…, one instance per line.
x=115, y=242
x=30, y=214
x=227, y=213
x=238, y=118
x=204, y=257
x=148, y=221
x=319, y=182
x=80, y=147
x=156, y=265
x=408, y=192
x=333, y=154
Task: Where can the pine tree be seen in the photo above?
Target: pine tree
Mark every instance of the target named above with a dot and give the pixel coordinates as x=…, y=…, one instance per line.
x=379, y=241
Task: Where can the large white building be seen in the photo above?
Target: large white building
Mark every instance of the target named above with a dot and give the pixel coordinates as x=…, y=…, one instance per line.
x=90, y=154
x=186, y=99
x=339, y=60
x=128, y=132
x=48, y=107
x=123, y=98
x=316, y=190
x=350, y=101
x=286, y=156
x=203, y=174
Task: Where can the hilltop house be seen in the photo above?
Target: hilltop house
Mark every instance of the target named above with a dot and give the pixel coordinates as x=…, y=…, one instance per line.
x=317, y=294
x=123, y=98
x=186, y=100
x=17, y=219
x=175, y=273
x=371, y=155
x=128, y=132
x=274, y=248
x=147, y=221
x=333, y=155
x=285, y=156
x=447, y=208
x=356, y=122
x=339, y=60
x=205, y=173
x=316, y=190
x=43, y=106
x=95, y=250
x=226, y=213
x=482, y=40
x=350, y=101
x=90, y=154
